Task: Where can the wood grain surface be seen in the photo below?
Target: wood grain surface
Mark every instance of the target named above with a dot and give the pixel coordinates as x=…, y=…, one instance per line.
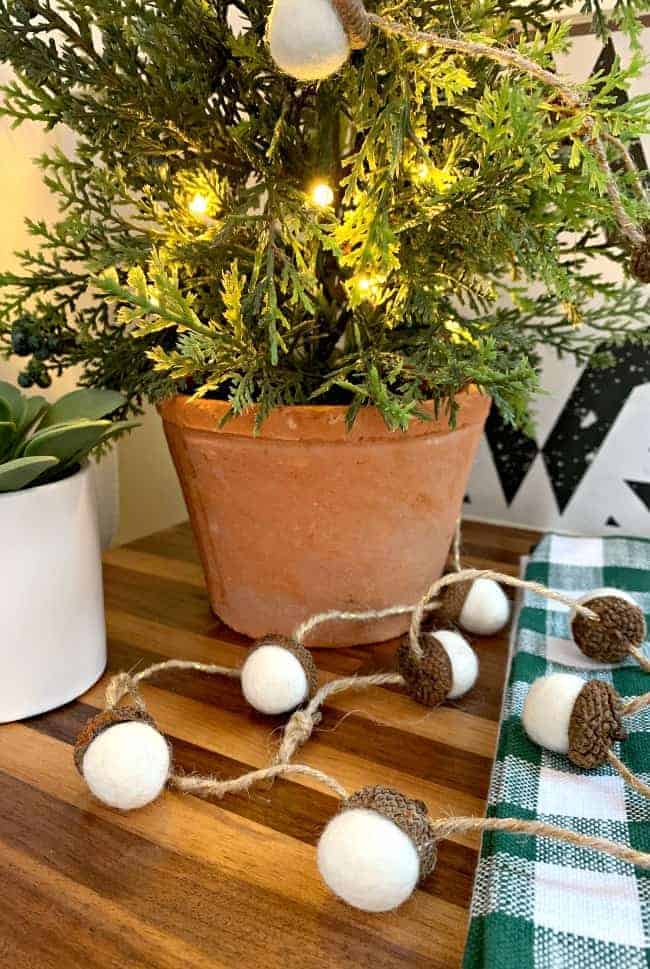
x=187, y=883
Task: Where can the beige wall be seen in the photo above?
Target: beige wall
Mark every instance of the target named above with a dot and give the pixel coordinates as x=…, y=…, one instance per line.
x=150, y=497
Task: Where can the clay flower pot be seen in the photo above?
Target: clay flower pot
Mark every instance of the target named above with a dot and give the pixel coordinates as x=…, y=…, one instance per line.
x=306, y=517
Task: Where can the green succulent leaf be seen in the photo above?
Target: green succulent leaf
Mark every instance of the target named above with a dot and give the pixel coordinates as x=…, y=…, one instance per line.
x=13, y=399
x=7, y=436
x=119, y=427
x=21, y=472
x=5, y=411
x=70, y=443
x=34, y=409
x=86, y=404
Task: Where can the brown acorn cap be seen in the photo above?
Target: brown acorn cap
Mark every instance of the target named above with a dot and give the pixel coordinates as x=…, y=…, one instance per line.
x=595, y=724
x=410, y=816
x=621, y=625
x=354, y=18
x=428, y=680
x=296, y=649
x=104, y=720
x=451, y=601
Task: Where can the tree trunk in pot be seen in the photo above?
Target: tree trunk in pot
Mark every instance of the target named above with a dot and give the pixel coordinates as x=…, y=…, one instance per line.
x=307, y=517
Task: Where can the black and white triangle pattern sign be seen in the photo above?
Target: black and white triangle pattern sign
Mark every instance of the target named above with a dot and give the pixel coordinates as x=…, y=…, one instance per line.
x=589, y=468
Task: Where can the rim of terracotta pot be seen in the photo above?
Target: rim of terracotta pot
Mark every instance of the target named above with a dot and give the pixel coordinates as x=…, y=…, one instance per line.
x=320, y=422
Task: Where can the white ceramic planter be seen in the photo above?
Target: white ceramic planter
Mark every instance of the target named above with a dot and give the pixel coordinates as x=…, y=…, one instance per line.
x=52, y=630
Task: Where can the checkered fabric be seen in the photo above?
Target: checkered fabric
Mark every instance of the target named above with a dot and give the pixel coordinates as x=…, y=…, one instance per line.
x=541, y=903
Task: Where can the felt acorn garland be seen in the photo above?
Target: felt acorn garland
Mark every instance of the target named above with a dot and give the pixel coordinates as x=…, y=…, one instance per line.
x=381, y=843
x=372, y=854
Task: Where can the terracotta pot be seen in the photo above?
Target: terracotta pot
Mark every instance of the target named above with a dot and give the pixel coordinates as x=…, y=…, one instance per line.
x=307, y=517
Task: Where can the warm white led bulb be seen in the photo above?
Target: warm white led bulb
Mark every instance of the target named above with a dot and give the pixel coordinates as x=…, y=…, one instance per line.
x=322, y=195
x=369, y=286
x=198, y=204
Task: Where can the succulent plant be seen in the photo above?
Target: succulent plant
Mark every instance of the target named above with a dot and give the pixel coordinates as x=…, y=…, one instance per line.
x=42, y=442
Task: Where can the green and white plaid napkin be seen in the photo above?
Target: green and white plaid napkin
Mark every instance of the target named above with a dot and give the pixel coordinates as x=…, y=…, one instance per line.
x=544, y=904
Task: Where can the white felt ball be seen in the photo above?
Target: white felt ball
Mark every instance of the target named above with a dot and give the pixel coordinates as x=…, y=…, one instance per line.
x=597, y=594
x=547, y=710
x=273, y=680
x=307, y=39
x=486, y=609
x=463, y=659
x=368, y=861
x=126, y=766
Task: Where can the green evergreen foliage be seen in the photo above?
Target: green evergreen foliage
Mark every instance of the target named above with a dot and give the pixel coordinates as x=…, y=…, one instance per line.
x=41, y=443
x=459, y=188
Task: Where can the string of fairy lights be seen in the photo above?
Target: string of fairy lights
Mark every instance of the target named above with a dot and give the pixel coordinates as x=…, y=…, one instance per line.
x=321, y=194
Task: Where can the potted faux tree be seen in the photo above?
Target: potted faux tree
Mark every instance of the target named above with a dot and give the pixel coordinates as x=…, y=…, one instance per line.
x=323, y=278
x=53, y=643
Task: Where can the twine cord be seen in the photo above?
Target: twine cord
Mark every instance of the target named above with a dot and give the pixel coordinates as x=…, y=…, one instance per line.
x=208, y=786
x=466, y=575
x=120, y=686
x=628, y=161
x=303, y=630
x=183, y=664
x=630, y=778
x=456, y=547
x=571, y=97
x=126, y=684
x=633, y=706
x=642, y=660
x=447, y=827
x=301, y=724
